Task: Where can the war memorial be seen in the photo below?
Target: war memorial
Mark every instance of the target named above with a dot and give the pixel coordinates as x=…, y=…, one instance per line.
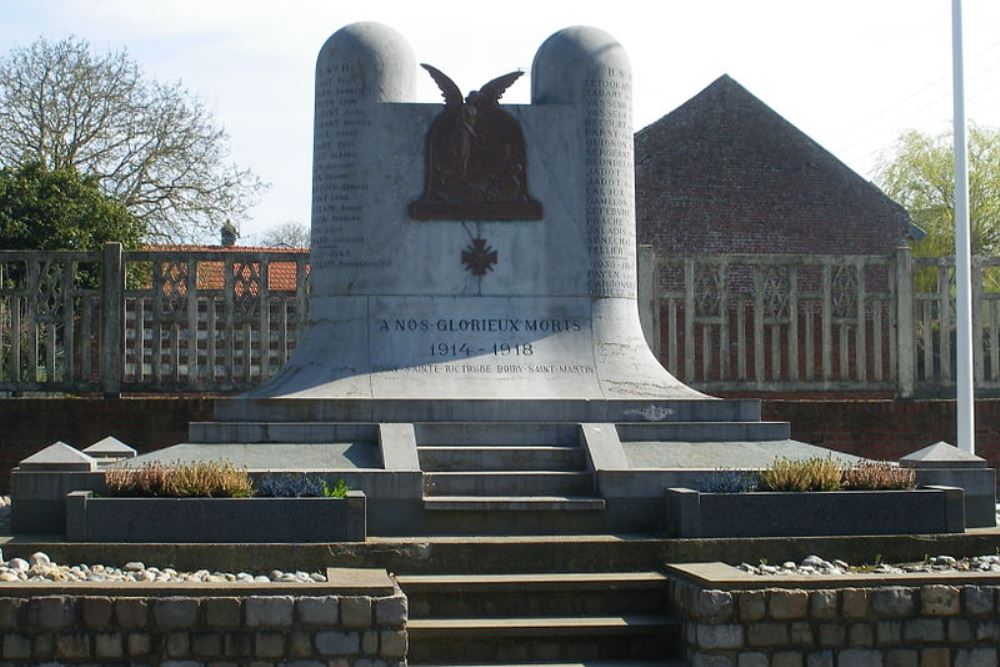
x=474, y=368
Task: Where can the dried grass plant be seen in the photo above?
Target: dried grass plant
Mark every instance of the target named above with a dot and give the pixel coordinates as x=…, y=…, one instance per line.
x=813, y=474
x=207, y=479
x=878, y=475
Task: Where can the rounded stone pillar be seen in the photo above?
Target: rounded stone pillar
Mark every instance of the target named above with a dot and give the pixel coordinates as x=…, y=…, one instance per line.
x=586, y=68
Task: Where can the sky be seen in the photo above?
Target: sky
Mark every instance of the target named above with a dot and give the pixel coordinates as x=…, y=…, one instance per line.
x=852, y=74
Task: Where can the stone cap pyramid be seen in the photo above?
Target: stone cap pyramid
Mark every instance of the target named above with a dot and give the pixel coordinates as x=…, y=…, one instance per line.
x=110, y=448
x=59, y=456
x=942, y=455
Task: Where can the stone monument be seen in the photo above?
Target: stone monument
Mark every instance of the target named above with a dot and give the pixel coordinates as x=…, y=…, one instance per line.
x=473, y=360
x=473, y=250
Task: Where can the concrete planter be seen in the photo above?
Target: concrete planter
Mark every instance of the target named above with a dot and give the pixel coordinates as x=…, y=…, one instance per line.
x=932, y=509
x=90, y=519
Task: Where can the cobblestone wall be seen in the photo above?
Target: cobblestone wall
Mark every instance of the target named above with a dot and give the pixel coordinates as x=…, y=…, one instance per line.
x=331, y=630
x=893, y=626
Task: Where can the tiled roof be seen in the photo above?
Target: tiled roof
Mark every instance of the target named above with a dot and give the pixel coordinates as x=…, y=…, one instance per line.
x=725, y=173
x=281, y=274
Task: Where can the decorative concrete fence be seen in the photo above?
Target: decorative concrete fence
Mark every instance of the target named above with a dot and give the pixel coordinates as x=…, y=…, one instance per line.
x=823, y=323
x=118, y=321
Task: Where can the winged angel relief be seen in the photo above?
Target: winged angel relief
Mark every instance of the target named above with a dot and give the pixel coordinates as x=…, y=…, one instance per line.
x=476, y=166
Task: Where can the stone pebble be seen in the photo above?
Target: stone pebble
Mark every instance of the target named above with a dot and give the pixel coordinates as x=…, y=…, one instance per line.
x=41, y=568
x=816, y=566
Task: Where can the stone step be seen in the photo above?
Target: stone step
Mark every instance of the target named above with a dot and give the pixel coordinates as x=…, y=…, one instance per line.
x=513, y=503
x=502, y=457
x=518, y=483
x=684, y=431
x=280, y=432
x=505, y=640
x=588, y=663
x=550, y=594
x=496, y=434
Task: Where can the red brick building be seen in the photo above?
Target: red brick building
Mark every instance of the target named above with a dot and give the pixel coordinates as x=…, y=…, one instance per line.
x=724, y=173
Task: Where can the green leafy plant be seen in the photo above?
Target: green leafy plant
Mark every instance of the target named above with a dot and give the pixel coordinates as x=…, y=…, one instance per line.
x=338, y=490
x=878, y=475
x=815, y=474
x=205, y=479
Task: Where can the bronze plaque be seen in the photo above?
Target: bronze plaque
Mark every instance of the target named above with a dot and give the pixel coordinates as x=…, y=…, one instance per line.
x=475, y=158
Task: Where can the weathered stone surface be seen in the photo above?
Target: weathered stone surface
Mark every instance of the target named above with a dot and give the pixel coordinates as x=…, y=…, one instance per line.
x=269, y=644
x=97, y=612
x=753, y=605
x=392, y=644
x=712, y=605
x=988, y=630
x=175, y=612
x=206, y=644
x=138, y=644
x=109, y=645
x=9, y=608
x=132, y=613
x=237, y=644
x=889, y=633
x=299, y=644
x=51, y=613
x=269, y=611
x=854, y=602
x=73, y=646
x=767, y=634
x=753, y=660
x=321, y=611
x=860, y=634
x=713, y=660
x=823, y=604
x=788, y=604
x=356, y=612
x=939, y=600
x=935, y=657
x=820, y=659
x=335, y=642
x=801, y=634
x=923, y=631
x=727, y=636
x=222, y=612
x=16, y=646
x=976, y=657
x=902, y=658
x=832, y=635
x=391, y=611
x=369, y=642
x=786, y=659
x=959, y=631
x=858, y=657
x=978, y=600
x=177, y=644
x=43, y=645
x=894, y=602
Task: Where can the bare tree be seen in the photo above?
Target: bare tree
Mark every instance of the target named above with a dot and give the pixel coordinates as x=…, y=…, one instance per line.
x=289, y=234
x=153, y=146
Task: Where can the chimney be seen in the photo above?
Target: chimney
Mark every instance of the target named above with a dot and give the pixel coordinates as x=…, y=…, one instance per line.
x=229, y=235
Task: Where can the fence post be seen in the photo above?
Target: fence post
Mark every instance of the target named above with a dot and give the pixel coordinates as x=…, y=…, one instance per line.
x=905, y=361
x=648, y=293
x=113, y=324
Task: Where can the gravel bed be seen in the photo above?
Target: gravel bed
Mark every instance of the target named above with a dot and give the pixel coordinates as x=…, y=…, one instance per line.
x=40, y=568
x=816, y=566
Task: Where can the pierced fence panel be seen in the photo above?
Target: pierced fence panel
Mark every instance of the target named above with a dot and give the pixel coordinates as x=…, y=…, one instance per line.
x=50, y=318
x=935, y=319
x=780, y=322
x=211, y=321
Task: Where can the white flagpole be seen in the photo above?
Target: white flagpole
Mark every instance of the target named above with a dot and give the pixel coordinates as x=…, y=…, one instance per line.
x=963, y=272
